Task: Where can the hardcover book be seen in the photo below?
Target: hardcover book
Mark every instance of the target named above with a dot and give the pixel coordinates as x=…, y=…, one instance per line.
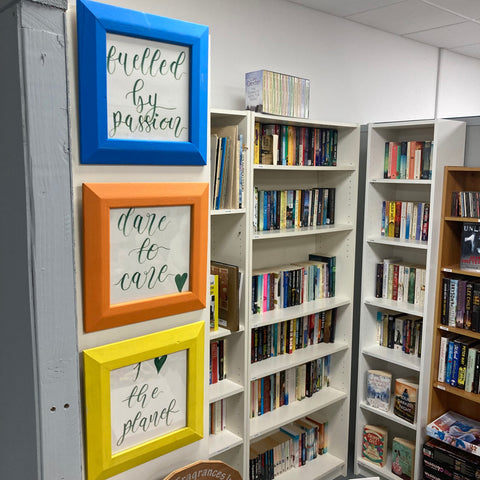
x=405, y=400
x=470, y=246
x=378, y=389
x=403, y=458
x=374, y=444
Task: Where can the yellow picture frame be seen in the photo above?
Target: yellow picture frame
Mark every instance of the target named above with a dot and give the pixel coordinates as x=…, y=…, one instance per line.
x=99, y=363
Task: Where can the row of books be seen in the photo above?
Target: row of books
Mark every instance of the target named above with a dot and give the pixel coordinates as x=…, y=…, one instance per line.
x=286, y=386
x=218, y=415
x=461, y=432
x=400, y=282
x=284, y=209
x=289, y=285
x=459, y=362
x=400, y=331
x=379, y=388
x=442, y=461
x=460, y=305
x=277, y=93
x=466, y=204
x=228, y=168
x=292, y=446
x=291, y=335
x=296, y=146
x=405, y=220
x=408, y=160
x=217, y=361
x=375, y=450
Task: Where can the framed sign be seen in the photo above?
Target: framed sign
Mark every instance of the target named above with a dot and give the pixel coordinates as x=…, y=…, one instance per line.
x=143, y=86
x=145, y=251
x=144, y=398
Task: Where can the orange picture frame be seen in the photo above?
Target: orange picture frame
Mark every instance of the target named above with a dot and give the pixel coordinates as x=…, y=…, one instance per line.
x=98, y=201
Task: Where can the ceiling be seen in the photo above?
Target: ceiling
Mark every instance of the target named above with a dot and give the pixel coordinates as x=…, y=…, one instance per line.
x=450, y=24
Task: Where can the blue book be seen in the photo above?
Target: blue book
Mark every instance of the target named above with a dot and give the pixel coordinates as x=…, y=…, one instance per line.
x=448, y=370
x=223, y=146
x=455, y=363
x=265, y=210
x=418, y=231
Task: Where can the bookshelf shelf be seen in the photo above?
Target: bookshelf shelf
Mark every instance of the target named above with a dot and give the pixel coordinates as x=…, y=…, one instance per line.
x=303, y=168
x=397, y=242
x=282, y=362
x=268, y=235
x=443, y=396
x=393, y=356
x=237, y=211
x=401, y=307
x=383, y=472
x=388, y=415
x=472, y=397
x=459, y=271
x=389, y=181
x=234, y=241
x=223, y=389
x=448, y=139
x=327, y=464
x=220, y=333
x=459, y=331
x=273, y=420
x=222, y=442
x=282, y=314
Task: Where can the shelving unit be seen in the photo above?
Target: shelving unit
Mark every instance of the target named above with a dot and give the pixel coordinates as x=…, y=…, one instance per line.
x=448, y=140
x=229, y=240
x=234, y=241
x=444, y=397
x=279, y=247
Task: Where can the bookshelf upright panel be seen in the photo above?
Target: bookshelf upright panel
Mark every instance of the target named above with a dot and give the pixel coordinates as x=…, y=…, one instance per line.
x=407, y=256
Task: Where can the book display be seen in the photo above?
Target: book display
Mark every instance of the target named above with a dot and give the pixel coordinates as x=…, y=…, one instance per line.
x=454, y=389
x=404, y=178
x=285, y=362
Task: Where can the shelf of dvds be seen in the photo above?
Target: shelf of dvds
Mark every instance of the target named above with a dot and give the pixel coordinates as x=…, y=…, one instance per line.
x=405, y=162
x=452, y=391
x=329, y=231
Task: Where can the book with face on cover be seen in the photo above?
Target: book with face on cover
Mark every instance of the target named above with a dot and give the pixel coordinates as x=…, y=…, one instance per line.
x=405, y=398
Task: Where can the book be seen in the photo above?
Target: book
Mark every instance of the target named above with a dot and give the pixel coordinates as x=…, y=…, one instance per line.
x=470, y=247
x=213, y=302
x=470, y=369
x=403, y=458
x=379, y=384
x=228, y=294
x=405, y=398
x=442, y=356
x=456, y=430
x=374, y=444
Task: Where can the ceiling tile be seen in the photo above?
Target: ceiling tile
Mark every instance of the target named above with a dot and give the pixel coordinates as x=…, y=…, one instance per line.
x=469, y=8
x=406, y=17
x=450, y=36
x=470, y=50
x=343, y=8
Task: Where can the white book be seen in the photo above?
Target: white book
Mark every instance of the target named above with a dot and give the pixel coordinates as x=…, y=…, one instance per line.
x=469, y=374
x=403, y=220
x=442, y=359
x=413, y=225
x=401, y=281
x=418, y=163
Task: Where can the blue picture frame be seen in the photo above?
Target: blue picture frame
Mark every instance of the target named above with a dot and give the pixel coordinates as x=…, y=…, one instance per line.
x=97, y=144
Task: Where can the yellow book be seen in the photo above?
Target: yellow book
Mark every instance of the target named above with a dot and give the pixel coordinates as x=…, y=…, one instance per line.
x=256, y=147
x=213, y=302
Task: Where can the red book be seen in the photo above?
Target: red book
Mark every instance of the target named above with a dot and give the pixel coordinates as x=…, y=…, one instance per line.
x=214, y=361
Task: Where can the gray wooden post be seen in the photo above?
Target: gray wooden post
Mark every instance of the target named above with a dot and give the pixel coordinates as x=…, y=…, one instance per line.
x=40, y=408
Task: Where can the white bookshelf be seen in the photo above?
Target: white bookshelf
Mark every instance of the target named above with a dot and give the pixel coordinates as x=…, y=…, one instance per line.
x=448, y=140
x=233, y=240
x=278, y=247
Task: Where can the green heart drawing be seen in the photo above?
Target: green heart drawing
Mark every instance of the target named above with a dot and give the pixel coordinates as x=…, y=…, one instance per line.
x=180, y=280
x=159, y=361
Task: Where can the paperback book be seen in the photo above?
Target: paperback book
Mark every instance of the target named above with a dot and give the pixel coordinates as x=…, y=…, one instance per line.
x=403, y=458
x=470, y=246
x=405, y=400
x=374, y=444
x=378, y=389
